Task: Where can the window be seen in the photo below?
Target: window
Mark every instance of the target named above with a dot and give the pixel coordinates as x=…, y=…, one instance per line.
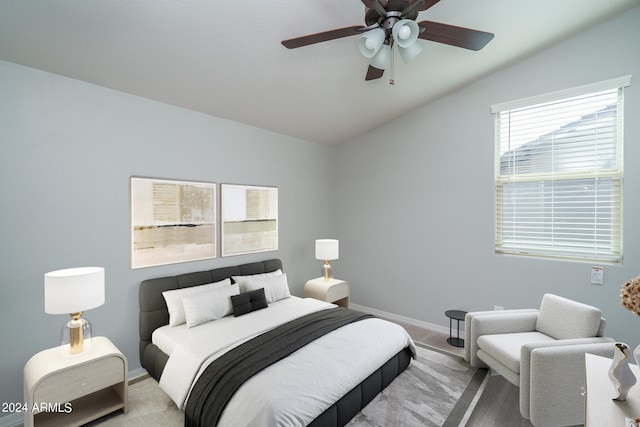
x=559, y=174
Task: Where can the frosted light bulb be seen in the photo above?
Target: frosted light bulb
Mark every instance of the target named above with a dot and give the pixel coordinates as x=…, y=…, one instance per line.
x=404, y=32
x=370, y=44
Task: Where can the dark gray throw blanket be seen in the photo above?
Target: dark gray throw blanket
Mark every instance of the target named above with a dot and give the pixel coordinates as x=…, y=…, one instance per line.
x=224, y=376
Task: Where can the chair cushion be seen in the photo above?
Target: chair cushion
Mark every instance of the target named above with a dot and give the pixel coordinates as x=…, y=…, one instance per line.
x=505, y=348
x=563, y=318
x=498, y=368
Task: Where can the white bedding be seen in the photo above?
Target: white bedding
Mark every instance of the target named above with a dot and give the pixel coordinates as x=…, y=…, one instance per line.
x=293, y=391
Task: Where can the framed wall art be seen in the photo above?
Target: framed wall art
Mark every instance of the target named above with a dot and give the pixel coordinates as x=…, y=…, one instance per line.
x=171, y=221
x=249, y=219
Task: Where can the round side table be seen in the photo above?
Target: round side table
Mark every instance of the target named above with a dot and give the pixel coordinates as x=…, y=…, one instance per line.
x=456, y=315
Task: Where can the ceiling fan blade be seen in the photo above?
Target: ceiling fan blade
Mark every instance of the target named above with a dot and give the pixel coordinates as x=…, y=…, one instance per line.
x=373, y=73
x=427, y=4
x=322, y=37
x=454, y=36
x=377, y=5
x=412, y=8
x=369, y=3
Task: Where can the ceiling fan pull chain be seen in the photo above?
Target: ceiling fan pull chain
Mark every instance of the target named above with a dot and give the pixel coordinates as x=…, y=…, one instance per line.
x=392, y=67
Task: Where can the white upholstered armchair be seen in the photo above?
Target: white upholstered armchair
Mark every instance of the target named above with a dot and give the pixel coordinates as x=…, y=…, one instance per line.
x=542, y=352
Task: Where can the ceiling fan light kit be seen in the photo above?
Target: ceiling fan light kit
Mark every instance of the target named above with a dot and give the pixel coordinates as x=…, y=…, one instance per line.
x=410, y=52
x=371, y=42
x=393, y=22
x=382, y=58
x=405, y=33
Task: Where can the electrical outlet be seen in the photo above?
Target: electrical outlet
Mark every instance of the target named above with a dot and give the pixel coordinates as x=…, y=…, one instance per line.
x=498, y=307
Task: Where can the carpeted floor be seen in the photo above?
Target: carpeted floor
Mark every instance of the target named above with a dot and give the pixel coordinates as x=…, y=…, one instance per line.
x=437, y=389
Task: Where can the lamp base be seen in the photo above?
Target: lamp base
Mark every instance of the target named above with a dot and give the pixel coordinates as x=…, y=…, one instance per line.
x=75, y=336
x=326, y=270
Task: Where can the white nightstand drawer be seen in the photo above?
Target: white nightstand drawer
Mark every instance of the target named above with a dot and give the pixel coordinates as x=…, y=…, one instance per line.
x=78, y=381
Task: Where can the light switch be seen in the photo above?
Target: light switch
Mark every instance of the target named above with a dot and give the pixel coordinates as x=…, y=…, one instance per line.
x=597, y=275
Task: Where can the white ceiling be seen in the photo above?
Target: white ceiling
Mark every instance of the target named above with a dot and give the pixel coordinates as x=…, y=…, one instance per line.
x=225, y=58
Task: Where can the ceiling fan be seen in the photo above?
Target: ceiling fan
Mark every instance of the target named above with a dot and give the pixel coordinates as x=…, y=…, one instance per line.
x=390, y=22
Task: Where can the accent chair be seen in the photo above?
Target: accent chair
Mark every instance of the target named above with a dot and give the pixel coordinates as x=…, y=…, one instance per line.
x=541, y=351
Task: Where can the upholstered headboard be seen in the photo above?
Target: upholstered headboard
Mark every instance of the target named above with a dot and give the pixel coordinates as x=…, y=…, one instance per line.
x=153, y=308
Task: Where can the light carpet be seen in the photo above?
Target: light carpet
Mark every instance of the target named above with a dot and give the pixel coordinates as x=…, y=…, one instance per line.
x=437, y=389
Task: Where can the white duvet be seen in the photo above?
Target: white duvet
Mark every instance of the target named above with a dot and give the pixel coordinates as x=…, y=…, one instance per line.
x=293, y=391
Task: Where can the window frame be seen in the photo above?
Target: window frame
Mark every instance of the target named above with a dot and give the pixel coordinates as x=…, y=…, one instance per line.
x=502, y=181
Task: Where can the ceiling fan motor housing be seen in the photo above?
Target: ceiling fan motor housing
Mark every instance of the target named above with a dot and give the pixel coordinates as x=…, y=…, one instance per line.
x=392, y=18
x=394, y=11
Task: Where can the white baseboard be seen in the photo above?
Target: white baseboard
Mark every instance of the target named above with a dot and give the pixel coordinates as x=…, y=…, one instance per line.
x=419, y=323
x=137, y=374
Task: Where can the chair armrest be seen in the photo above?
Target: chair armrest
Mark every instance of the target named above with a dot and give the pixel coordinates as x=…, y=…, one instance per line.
x=552, y=376
x=479, y=323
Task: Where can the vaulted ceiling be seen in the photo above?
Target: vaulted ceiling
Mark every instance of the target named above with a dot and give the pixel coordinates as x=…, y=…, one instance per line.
x=225, y=58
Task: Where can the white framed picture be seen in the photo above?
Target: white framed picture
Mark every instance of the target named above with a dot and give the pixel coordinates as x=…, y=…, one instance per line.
x=172, y=221
x=249, y=219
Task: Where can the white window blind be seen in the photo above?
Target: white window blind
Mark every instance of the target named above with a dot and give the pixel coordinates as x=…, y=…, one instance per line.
x=559, y=174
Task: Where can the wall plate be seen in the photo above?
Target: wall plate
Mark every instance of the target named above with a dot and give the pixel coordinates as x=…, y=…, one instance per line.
x=597, y=275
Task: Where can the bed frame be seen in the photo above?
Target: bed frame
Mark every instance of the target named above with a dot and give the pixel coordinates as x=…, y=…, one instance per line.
x=154, y=314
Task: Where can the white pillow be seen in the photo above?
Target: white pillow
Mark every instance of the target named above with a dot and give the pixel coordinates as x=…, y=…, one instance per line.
x=275, y=287
x=174, y=297
x=241, y=280
x=209, y=305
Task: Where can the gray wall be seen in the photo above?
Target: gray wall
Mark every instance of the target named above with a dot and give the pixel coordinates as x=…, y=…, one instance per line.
x=417, y=196
x=67, y=151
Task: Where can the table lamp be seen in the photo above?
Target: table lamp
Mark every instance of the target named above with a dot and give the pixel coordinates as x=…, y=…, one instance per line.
x=327, y=250
x=73, y=291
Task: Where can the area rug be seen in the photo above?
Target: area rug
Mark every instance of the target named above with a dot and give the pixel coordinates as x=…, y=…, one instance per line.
x=437, y=389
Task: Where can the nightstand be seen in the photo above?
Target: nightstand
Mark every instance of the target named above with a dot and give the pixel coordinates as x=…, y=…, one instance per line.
x=332, y=290
x=73, y=390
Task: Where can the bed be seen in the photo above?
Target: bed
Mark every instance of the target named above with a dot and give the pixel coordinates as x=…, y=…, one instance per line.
x=290, y=361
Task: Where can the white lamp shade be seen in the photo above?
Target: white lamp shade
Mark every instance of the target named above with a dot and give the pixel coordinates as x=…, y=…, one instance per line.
x=405, y=32
x=382, y=58
x=327, y=249
x=73, y=290
x=408, y=53
x=370, y=42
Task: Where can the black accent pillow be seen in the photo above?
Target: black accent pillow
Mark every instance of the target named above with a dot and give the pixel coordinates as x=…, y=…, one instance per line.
x=249, y=301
